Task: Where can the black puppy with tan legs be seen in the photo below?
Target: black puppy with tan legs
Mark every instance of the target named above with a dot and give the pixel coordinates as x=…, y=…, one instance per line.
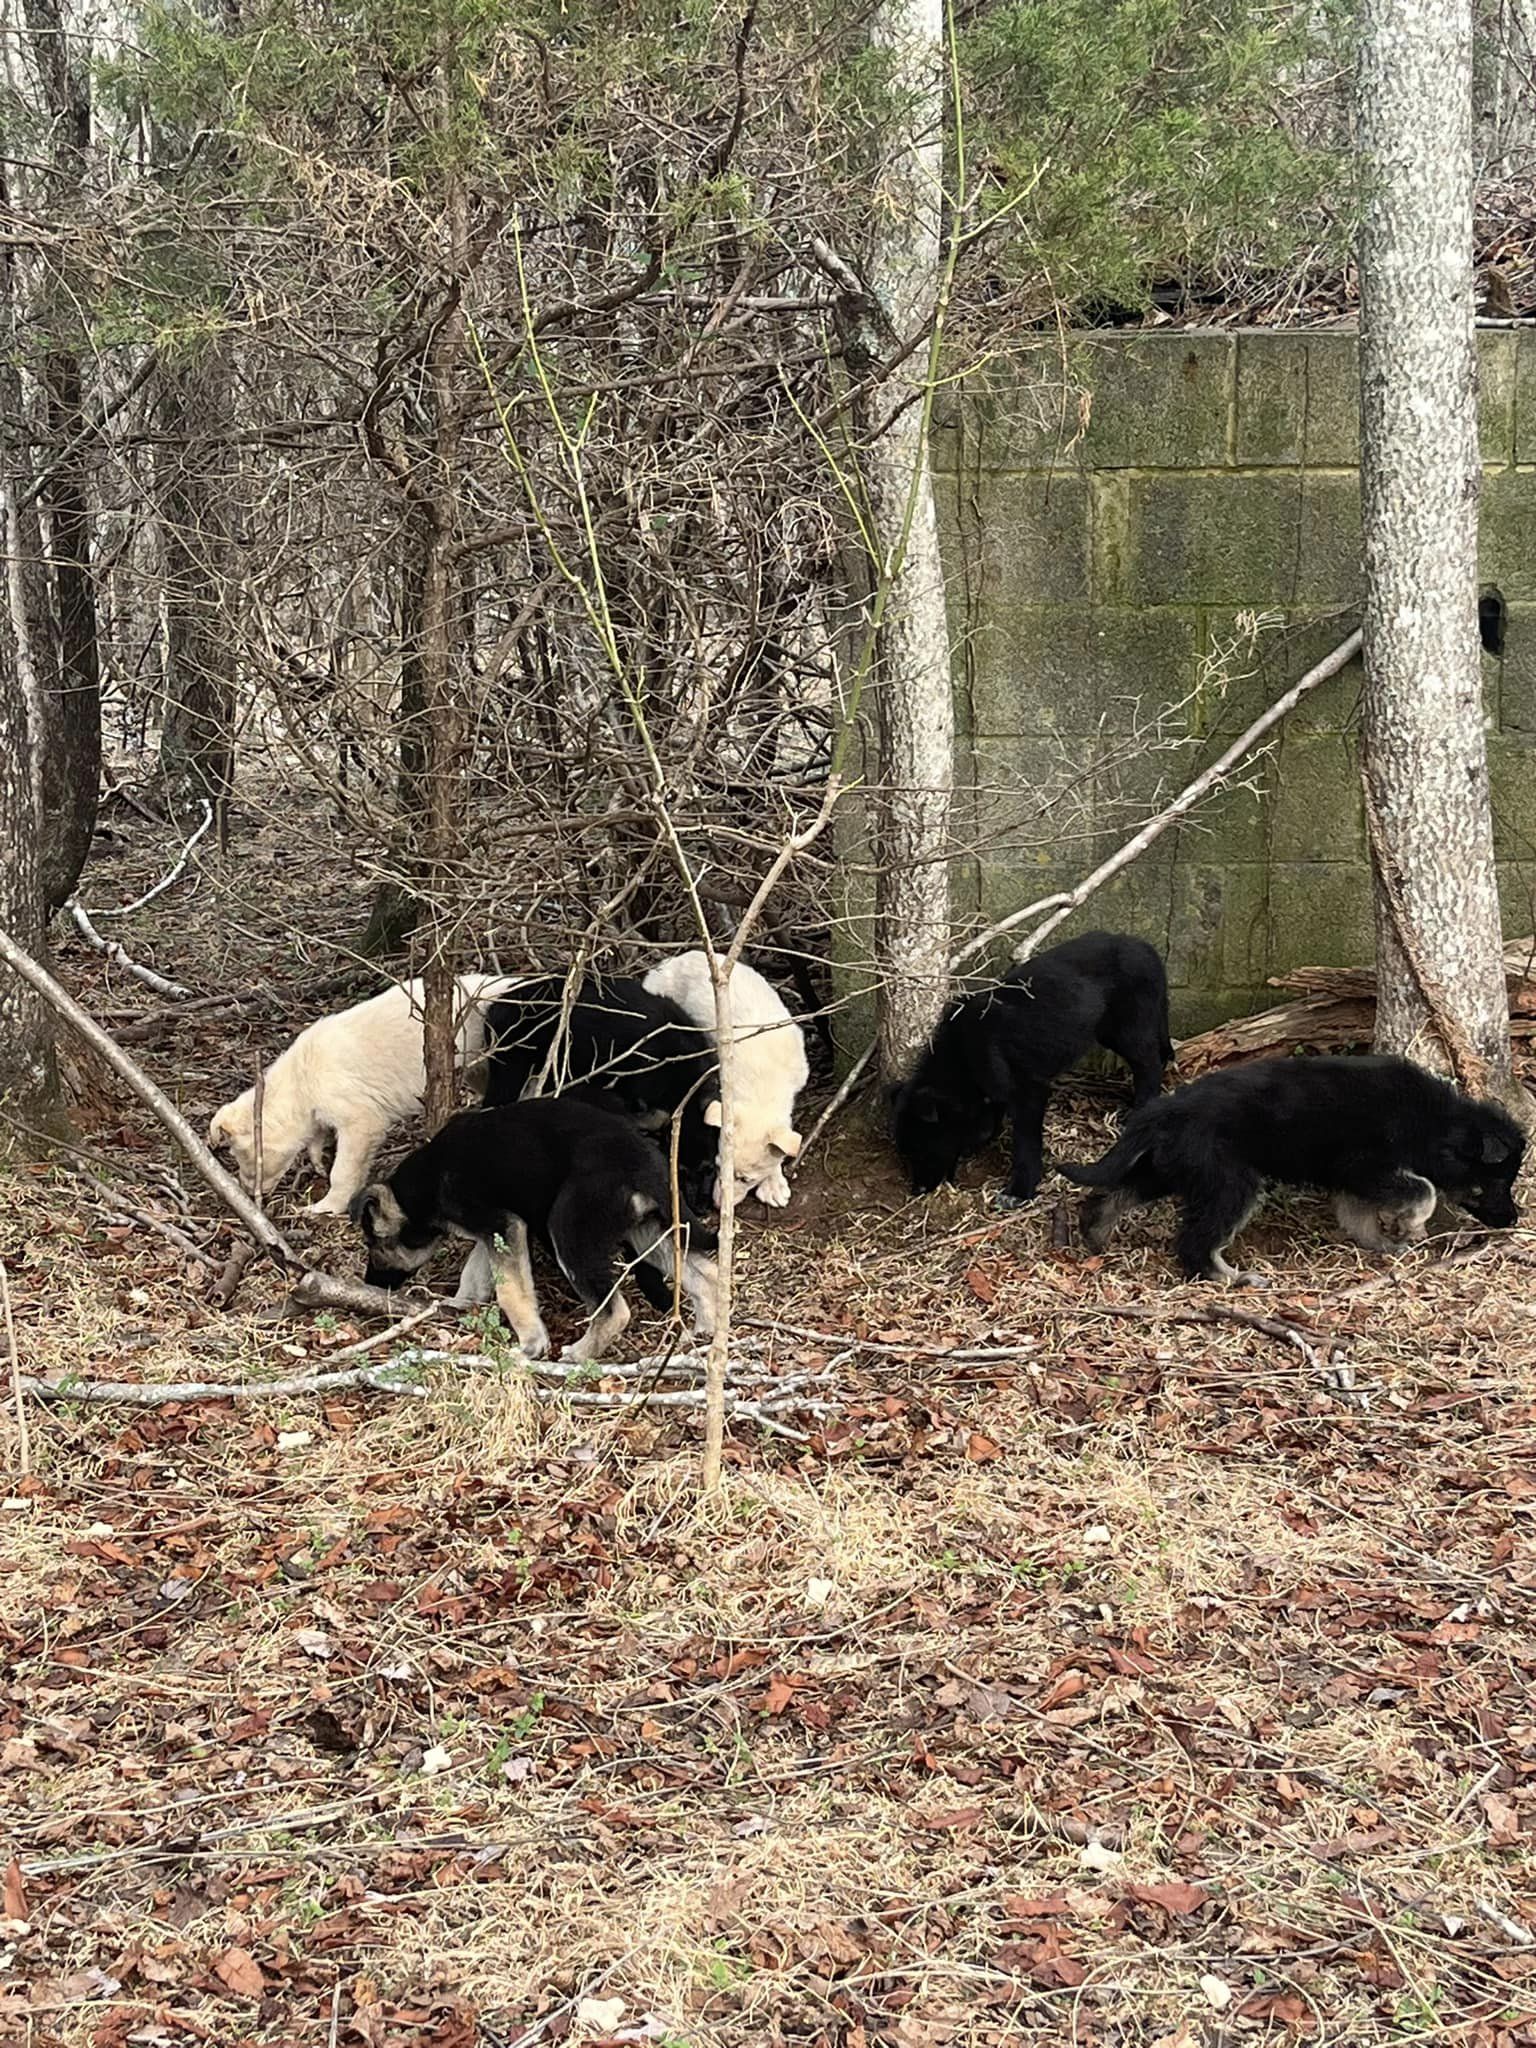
x=590, y=1186
x=1378, y=1134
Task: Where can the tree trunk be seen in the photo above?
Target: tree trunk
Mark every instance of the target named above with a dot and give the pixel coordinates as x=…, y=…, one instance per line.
x=72, y=707
x=1439, y=956
x=197, y=740
x=71, y=680
x=900, y=299
x=29, y=1081
x=396, y=904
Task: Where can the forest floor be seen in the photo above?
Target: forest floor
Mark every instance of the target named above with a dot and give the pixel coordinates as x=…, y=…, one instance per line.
x=1166, y=1681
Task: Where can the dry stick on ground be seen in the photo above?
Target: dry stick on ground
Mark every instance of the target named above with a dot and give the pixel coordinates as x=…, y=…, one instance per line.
x=383, y=1377
x=1062, y=905
x=18, y=1388
x=224, y=1185
x=119, y=956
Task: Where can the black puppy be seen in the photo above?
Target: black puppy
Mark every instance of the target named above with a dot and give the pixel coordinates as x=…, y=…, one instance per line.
x=590, y=1187
x=1378, y=1134
x=642, y=1048
x=997, y=1053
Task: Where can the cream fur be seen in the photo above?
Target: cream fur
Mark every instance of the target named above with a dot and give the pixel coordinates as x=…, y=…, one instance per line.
x=354, y=1077
x=771, y=1066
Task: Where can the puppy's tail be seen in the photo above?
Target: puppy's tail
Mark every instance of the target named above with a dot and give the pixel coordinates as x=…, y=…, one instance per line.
x=1112, y=1169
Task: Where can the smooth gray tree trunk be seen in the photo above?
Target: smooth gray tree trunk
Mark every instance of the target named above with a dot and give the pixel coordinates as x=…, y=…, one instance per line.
x=29, y=1082
x=915, y=698
x=1439, y=960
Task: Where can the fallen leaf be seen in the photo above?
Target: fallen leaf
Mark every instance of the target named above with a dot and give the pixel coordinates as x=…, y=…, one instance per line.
x=435, y=1760
x=1019, y=1907
x=1175, y=1897
x=1094, y=1856
x=818, y=1592
x=15, y=1893
x=950, y=1817
x=238, y=1971
x=981, y=1449
x=1066, y=1687
x=599, y=2015
x=294, y=1439
x=1217, y=1991
x=1503, y=1820
x=981, y=1284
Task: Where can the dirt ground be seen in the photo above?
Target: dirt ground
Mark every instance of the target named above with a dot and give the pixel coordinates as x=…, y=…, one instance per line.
x=1149, y=1678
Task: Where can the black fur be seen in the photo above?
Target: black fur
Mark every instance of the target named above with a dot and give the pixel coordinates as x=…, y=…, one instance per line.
x=641, y=1048
x=1367, y=1128
x=586, y=1183
x=996, y=1054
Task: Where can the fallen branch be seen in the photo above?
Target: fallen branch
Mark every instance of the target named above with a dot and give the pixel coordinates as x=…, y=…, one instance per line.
x=224, y=1185
x=163, y=1020
x=160, y=887
x=384, y=1377
x=1062, y=905
x=18, y=1386
x=119, y=956
x=353, y=1297
x=227, y=1286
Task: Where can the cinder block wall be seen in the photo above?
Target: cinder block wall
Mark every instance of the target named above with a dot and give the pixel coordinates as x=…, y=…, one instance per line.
x=1095, y=579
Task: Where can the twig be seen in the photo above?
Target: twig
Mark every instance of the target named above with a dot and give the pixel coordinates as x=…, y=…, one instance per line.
x=399, y=1329
x=23, y=1434
x=227, y=1285
x=383, y=1378
x=851, y=1081
x=118, y=955
x=160, y=887
x=1512, y=1930
x=161, y=1020
x=224, y=1185
x=1062, y=905
x=168, y=1231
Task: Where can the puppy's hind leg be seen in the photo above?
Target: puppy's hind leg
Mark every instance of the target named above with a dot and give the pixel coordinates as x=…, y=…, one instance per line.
x=477, y=1282
x=1212, y=1218
x=1029, y=1104
x=587, y=1246
x=514, y=1289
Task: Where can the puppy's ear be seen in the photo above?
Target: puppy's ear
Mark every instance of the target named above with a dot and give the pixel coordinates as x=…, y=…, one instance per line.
x=367, y=1205
x=788, y=1141
x=1497, y=1149
x=218, y=1130
x=714, y=1115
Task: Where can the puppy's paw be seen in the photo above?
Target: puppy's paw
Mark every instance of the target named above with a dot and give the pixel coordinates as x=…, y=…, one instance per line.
x=326, y=1206
x=1006, y=1199
x=773, y=1193
x=536, y=1344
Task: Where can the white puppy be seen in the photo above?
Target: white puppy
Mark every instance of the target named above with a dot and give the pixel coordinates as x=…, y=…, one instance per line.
x=353, y=1076
x=771, y=1067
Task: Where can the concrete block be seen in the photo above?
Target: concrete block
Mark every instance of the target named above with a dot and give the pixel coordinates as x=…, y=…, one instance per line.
x=1159, y=401
x=1032, y=547
x=1517, y=670
x=1318, y=811
x=1525, y=396
x=1320, y=915
x=1512, y=791
x=1194, y=1010
x=1218, y=929
x=1517, y=898
x=1212, y=539
x=1271, y=398
x=1080, y=668
x=1233, y=825
x=1497, y=372
x=1329, y=569
x=1507, y=551
x=1333, y=401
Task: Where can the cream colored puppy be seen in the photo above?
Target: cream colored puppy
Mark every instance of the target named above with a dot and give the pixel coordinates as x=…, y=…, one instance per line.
x=771, y=1067
x=352, y=1077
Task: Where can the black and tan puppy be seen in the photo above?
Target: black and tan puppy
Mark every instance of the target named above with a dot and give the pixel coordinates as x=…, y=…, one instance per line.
x=996, y=1053
x=590, y=1186
x=1380, y=1135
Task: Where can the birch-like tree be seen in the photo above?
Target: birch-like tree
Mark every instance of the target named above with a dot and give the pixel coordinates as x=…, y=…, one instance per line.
x=1439, y=958
x=914, y=697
